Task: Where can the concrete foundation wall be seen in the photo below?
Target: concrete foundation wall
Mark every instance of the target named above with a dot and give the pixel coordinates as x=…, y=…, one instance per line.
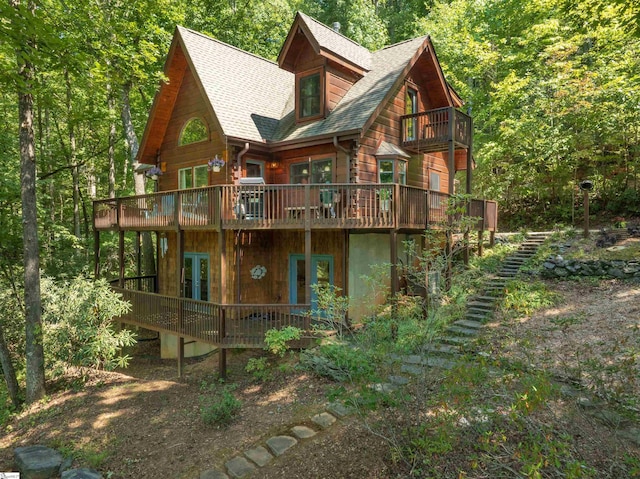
x=169, y=347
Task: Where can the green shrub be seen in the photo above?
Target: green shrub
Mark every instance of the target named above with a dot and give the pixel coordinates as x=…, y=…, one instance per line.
x=259, y=368
x=525, y=297
x=218, y=405
x=77, y=318
x=277, y=339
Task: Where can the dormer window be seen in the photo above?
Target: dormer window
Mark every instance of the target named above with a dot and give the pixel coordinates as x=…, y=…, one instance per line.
x=310, y=95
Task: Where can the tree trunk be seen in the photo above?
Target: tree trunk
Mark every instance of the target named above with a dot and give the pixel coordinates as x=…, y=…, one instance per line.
x=112, y=144
x=32, y=300
x=148, y=257
x=75, y=171
x=8, y=371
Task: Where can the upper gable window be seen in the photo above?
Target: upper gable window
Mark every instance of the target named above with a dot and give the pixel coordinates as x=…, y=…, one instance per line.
x=193, y=131
x=310, y=97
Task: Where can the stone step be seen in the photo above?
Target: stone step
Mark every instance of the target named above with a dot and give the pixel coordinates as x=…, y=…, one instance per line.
x=443, y=363
x=462, y=331
x=455, y=340
x=479, y=305
x=507, y=275
x=484, y=299
x=474, y=317
x=466, y=323
x=438, y=348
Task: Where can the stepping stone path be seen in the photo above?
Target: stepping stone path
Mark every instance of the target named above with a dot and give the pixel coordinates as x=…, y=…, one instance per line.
x=444, y=355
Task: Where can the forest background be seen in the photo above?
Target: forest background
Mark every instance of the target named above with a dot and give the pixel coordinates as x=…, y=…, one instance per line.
x=553, y=87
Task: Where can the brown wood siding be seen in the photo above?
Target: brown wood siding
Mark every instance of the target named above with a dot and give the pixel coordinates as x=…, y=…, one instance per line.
x=271, y=249
x=338, y=84
x=281, y=174
x=189, y=104
x=194, y=242
x=386, y=127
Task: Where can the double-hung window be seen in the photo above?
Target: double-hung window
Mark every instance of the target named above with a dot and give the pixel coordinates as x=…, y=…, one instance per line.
x=392, y=171
x=310, y=95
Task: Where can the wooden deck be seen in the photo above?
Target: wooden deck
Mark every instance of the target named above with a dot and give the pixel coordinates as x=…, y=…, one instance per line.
x=431, y=130
x=250, y=207
x=225, y=326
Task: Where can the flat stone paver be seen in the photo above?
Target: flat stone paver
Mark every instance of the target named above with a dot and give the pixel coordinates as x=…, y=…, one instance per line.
x=338, y=409
x=398, y=380
x=461, y=330
x=239, y=467
x=411, y=369
x=37, y=462
x=383, y=387
x=259, y=455
x=324, y=419
x=465, y=323
x=81, y=473
x=280, y=444
x=213, y=474
x=303, y=432
x=412, y=359
x=442, y=363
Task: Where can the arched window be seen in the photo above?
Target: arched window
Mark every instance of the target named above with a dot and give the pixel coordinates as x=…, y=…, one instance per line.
x=193, y=131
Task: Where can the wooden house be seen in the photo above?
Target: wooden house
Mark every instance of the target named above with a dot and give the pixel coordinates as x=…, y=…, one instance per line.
x=333, y=156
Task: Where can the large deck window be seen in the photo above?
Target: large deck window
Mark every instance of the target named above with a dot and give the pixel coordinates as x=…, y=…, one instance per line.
x=314, y=171
x=193, y=177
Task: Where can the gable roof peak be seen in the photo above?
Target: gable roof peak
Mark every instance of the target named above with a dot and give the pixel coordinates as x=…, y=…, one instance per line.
x=182, y=30
x=327, y=42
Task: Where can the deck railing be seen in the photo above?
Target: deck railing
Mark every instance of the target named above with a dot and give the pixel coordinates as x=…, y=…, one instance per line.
x=229, y=325
x=430, y=130
x=318, y=206
x=147, y=284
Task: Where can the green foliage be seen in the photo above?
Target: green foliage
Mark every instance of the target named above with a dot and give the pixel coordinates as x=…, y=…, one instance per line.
x=525, y=297
x=259, y=368
x=78, y=329
x=277, y=339
x=218, y=405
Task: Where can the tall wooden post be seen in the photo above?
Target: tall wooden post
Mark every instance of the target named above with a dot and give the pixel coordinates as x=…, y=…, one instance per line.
x=180, y=295
x=222, y=352
x=452, y=174
x=469, y=189
x=121, y=257
x=307, y=244
x=585, y=193
x=138, y=260
x=96, y=254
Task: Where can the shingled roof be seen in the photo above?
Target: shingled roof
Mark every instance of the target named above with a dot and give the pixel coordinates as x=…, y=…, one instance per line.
x=332, y=41
x=253, y=99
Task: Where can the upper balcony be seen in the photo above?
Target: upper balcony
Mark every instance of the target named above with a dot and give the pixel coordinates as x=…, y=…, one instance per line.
x=431, y=130
x=326, y=206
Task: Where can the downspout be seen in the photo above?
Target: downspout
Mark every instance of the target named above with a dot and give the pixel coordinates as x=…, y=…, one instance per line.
x=347, y=153
x=239, y=158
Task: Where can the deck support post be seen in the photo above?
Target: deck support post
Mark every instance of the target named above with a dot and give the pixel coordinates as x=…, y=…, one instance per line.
x=180, y=356
x=480, y=242
x=121, y=257
x=452, y=174
x=448, y=275
x=492, y=238
x=96, y=254
x=222, y=266
x=469, y=189
x=139, y=259
x=222, y=363
x=307, y=244
x=179, y=263
x=393, y=240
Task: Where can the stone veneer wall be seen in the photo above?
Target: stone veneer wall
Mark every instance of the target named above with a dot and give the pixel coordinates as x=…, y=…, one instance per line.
x=558, y=267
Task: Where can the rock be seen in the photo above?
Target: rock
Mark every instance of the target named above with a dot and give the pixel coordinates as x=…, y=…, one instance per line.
x=549, y=265
x=617, y=273
x=399, y=380
x=339, y=409
x=280, y=444
x=239, y=467
x=259, y=455
x=324, y=419
x=213, y=474
x=66, y=464
x=81, y=473
x=631, y=434
x=561, y=272
x=303, y=432
x=37, y=462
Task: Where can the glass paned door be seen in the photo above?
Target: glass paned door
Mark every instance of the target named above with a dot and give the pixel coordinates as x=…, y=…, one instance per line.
x=196, y=276
x=321, y=274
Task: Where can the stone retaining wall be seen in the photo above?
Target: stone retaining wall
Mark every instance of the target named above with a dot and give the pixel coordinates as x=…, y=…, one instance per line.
x=558, y=267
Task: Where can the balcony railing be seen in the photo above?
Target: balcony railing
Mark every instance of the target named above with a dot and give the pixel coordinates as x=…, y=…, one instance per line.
x=346, y=206
x=431, y=130
x=229, y=325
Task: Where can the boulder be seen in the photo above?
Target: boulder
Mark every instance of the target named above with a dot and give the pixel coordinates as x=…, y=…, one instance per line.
x=37, y=462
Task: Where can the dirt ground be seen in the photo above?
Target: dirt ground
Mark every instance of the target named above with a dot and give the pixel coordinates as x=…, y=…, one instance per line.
x=144, y=423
